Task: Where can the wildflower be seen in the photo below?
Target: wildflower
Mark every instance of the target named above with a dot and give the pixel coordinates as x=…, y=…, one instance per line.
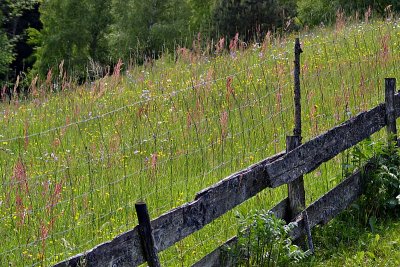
x=220, y=45
x=154, y=158
x=224, y=124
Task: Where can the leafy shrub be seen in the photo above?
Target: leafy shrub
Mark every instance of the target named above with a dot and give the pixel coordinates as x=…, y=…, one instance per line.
x=382, y=193
x=382, y=186
x=263, y=240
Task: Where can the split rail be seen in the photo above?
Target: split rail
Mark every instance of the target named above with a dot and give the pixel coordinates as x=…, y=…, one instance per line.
x=143, y=242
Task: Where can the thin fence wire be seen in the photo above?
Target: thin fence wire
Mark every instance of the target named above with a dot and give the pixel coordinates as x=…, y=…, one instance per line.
x=276, y=120
x=153, y=212
x=164, y=96
x=170, y=132
x=129, y=205
x=376, y=77
x=136, y=173
x=167, y=95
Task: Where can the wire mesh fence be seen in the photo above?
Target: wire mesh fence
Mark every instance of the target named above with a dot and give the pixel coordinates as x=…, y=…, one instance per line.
x=74, y=164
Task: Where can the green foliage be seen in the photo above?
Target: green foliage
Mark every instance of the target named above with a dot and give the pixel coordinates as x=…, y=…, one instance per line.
x=362, y=5
x=249, y=16
x=6, y=54
x=65, y=35
x=17, y=7
x=382, y=195
x=99, y=19
x=113, y=158
x=314, y=12
x=105, y=31
x=345, y=241
x=147, y=27
x=73, y=32
x=263, y=240
x=10, y=32
x=201, y=15
x=382, y=190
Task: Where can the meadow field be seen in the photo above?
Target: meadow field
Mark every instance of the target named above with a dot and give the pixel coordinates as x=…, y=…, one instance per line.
x=75, y=159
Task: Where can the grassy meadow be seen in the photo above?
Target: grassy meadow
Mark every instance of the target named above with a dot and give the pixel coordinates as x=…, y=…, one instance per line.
x=75, y=159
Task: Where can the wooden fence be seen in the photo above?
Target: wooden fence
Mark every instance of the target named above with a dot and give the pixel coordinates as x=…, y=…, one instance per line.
x=143, y=242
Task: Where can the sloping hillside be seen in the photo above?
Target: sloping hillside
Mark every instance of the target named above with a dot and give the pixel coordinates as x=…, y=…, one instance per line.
x=75, y=159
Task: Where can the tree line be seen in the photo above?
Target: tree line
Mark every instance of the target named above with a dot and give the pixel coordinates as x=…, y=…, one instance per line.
x=39, y=35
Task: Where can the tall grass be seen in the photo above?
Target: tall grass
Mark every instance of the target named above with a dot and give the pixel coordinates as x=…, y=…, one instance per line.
x=73, y=163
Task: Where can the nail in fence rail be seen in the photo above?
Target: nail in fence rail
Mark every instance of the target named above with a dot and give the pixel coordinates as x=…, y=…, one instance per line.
x=146, y=235
x=390, y=87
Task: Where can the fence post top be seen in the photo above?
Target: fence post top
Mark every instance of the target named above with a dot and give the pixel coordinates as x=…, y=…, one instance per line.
x=140, y=203
x=297, y=46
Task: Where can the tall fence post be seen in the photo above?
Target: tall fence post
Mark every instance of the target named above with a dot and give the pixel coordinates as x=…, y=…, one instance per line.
x=296, y=188
x=390, y=88
x=296, y=192
x=146, y=235
x=297, y=94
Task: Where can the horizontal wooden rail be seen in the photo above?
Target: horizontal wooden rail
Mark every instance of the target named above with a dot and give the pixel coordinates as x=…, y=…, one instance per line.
x=169, y=228
x=216, y=257
x=324, y=147
x=216, y=200
x=210, y=204
x=319, y=212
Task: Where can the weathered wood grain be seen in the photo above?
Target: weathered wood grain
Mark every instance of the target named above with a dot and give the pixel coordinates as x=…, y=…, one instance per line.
x=218, y=257
x=390, y=87
x=210, y=204
x=321, y=211
x=297, y=93
x=146, y=235
x=123, y=251
x=324, y=147
x=333, y=202
x=171, y=227
x=296, y=192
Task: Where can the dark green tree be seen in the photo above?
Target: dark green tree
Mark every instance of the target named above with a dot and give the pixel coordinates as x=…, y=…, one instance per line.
x=16, y=16
x=201, y=15
x=146, y=28
x=6, y=54
x=99, y=21
x=362, y=5
x=249, y=16
x=74, y=32
x=65, y=35
x=314, y=12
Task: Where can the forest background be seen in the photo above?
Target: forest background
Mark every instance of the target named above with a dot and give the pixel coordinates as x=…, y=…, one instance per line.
x=88, y=37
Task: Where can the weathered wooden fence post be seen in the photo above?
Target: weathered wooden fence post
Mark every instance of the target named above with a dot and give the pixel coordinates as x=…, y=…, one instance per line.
x=296, y=188
x=297, y=94
x=390, y=88
x=146, y=235
x=296, y=192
